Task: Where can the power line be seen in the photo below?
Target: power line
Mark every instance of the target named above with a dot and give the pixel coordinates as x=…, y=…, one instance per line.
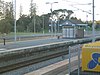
x=76, y=3
x=83, y=10
x=80, y=9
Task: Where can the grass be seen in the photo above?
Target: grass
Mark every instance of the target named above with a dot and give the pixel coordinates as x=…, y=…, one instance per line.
x=19, y=33
x=12, y=34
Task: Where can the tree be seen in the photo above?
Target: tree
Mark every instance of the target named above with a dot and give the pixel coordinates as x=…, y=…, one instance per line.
x=5, y=26
x=9, y=14
x=63, y=14
x=21, y=10
x=90, y=23
x=75, y=18
x=33, y=14
x=23, y=23
x=32, y=8
x=1, y=9
x=38, y=24
x=34, y=23
x=98, y=24
x=70, y=12
x=46, y=20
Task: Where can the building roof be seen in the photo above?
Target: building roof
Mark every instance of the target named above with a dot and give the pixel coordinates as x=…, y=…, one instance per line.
x=73, y=23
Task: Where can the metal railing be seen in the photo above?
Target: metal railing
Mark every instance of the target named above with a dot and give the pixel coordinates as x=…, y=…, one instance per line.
x=77, y=50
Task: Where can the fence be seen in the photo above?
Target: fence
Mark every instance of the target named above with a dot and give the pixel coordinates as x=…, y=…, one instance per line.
x=75, y=51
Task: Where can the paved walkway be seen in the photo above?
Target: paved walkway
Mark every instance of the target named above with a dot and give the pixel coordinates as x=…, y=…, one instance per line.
x=31, y=43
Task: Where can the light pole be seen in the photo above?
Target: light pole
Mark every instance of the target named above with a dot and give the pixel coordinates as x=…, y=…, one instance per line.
x=86, y=30
x=51, y=3
x=55, y=28
x=93, y=25
x=43, y=23
x=34, y=24
x=15, y=21
x=14, y=11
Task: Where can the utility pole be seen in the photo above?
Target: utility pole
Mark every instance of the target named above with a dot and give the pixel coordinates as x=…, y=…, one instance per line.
x=14, y=11
x=34, y=24
x=51, y=15
x=15, y=21
x=87, y=24
x=31, y=4
x=33, y=12
x=43, y=23
x=51, y=18
x=58, y=26
x=93, y=25
x=55, y=28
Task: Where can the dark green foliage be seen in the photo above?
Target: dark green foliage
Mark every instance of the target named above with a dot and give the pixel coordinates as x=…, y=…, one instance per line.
x=5, y=26
x=26, y=23
x=46, y=21
x=23, y=23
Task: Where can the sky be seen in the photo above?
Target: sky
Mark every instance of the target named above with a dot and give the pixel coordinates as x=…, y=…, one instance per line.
x=75, y=5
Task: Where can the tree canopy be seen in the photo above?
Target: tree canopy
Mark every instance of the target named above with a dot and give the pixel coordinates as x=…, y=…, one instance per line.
x=33, y=22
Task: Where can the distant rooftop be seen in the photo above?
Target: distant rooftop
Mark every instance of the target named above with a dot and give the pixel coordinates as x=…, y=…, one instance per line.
x=73, y=22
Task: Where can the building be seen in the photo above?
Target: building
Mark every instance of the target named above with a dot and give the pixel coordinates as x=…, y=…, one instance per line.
x=73, y=29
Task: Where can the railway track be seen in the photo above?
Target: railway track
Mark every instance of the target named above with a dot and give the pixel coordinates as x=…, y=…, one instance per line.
x=34, y=56
x=31, y=62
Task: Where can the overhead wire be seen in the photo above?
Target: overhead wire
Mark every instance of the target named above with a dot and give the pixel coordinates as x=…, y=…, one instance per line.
x=76, y=3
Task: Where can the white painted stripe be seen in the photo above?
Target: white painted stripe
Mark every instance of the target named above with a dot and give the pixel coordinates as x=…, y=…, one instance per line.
x=67, y=74
x=39, y=45
x=2, y=49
